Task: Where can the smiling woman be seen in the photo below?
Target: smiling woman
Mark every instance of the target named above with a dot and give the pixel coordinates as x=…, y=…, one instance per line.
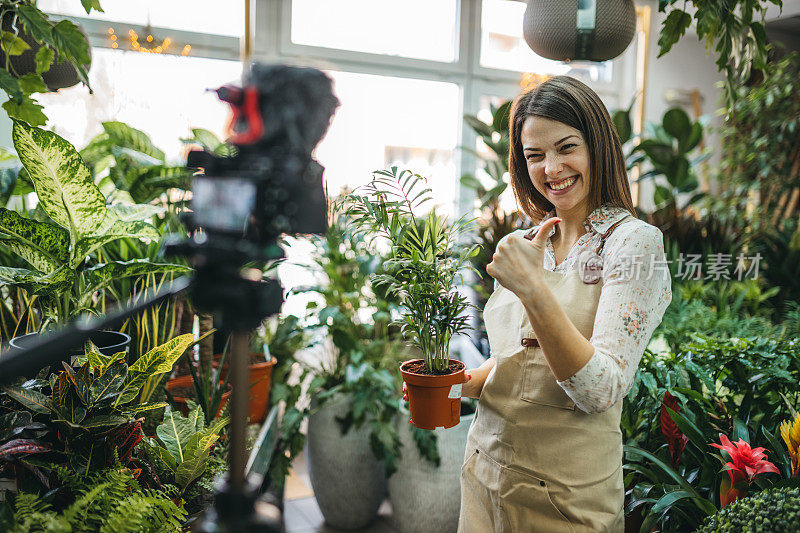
x=545, y=446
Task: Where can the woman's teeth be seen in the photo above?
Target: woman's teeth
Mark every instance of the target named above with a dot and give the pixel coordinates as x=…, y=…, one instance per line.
x=562, y=184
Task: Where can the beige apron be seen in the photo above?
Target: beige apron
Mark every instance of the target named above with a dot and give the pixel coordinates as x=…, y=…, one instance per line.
x=535, y=462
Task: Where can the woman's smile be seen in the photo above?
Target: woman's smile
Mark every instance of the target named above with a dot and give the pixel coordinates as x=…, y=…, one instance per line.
x=563, y=186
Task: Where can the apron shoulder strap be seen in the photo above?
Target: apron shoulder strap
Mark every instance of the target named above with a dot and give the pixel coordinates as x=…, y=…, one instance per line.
x=608, y=232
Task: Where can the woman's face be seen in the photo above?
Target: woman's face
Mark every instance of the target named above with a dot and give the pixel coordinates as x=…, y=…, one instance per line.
x=558, y=162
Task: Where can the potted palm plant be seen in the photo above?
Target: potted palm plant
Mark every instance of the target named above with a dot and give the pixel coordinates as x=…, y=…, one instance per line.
x=422, y=272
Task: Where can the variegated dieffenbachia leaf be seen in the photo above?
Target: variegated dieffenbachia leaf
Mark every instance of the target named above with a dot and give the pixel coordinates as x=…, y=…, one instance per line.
x=120, y=134
x=99, y=276
x=18, y=276
x=61, y=179
x=130, y=213
x=157, y=361
x=44, y=246
x=97, y=152
x=145, y=184
x=118, y=230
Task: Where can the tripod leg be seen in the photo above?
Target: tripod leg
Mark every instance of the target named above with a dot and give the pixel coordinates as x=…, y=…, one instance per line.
x=240, y=348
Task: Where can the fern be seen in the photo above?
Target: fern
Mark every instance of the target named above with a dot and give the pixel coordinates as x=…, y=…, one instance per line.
x=110, y=501
x=145, y=511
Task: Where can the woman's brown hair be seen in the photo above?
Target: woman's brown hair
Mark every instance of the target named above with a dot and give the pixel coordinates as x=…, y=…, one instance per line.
x=570, y=102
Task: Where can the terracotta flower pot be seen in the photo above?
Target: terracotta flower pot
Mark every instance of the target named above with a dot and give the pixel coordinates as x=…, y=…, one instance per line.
x=182, y=389
x=260, y=382
x=433, y=399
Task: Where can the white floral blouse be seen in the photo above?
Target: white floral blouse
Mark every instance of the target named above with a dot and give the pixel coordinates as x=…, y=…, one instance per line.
x=637, y=289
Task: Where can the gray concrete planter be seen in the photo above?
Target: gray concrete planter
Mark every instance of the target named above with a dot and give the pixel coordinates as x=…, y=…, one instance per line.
x=348, y=482
x=425, y=498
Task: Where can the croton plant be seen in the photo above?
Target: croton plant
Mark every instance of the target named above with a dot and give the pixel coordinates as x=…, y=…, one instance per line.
x=84, y=415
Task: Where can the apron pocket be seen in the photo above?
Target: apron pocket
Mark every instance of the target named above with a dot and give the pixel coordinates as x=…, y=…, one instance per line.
x=539, y=385
x=527, y=506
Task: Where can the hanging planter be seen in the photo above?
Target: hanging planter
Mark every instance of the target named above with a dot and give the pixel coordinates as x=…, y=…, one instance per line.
x=434, y=400
x=106, y=342
x=39, y=55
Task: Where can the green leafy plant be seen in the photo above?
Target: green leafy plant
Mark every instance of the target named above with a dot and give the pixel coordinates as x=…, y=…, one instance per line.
x=423, y=268
x=770, y=511
x=211, y=143
x=184, y=443
x=760, y=135
x=90, y=412
x=734, y=28
x=78, y=221
x=284, y=337
x=209, y=384
x=717, y=309
x=742, y=387
x=123, y=158
x=780, y=250
x=59, y=42
x=109, y=501
x=359, y=343
x=668, y=151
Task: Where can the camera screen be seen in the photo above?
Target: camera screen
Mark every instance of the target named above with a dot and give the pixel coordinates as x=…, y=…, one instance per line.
x=223, y=204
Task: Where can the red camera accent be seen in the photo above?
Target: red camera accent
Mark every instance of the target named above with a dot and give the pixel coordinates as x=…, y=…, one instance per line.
x=244, y=105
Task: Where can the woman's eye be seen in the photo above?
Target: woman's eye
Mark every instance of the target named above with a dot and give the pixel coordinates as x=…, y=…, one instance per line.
x=568, y=146
x=534, y=157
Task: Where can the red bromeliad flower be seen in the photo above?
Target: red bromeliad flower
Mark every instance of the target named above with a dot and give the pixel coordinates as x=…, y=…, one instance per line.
x=676, y=441
x=747, y=464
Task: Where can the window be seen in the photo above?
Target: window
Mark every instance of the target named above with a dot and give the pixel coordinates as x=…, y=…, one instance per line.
x=202, y=16
x=419, y=29
x=384, y=121
x=162, y=95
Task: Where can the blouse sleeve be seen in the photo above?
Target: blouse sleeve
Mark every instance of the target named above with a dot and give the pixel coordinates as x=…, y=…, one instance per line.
x=636, y=291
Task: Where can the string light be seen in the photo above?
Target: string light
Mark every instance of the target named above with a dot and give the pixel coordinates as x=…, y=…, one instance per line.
x=531, y=80
x=150, y=44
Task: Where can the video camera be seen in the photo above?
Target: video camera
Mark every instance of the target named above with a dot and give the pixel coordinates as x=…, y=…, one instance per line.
x=271, y=186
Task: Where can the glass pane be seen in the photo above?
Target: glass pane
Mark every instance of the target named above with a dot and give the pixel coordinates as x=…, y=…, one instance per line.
x=486, y=105
x=203, y=16
x=384, y=121
x=381, y=122
x=503, y=46
x=162, y=95
x=379, y=26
